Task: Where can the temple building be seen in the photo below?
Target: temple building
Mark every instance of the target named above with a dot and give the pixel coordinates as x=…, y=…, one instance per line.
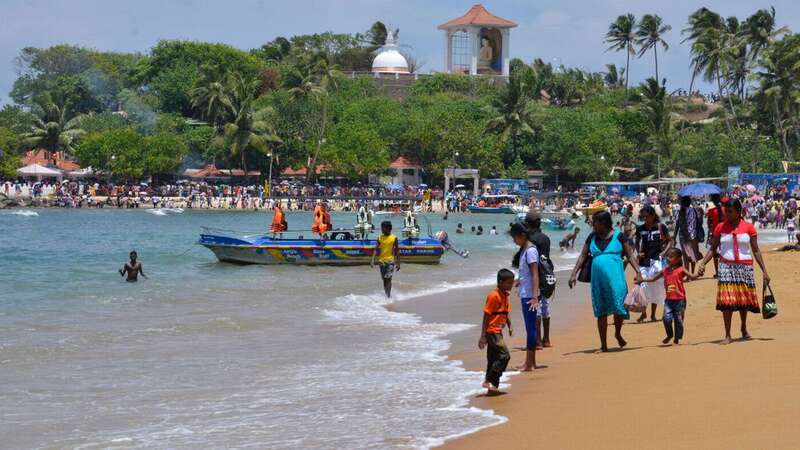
x=477, y=43
x=389, y=59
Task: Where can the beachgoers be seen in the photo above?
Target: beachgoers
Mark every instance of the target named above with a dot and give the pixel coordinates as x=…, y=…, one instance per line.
x=495, y=317
x=493, y=231
x=386, y=252
x=527, y=261
x=460, y=229
x=688, y=230
x=714, y=217
x=652, y=242
x=533, y=222
x=675, y=294
x=736, y=242
x=132, y=269
x=569, y=239
x=607, y=247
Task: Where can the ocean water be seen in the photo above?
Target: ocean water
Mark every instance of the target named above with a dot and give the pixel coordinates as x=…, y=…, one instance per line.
x=209, y=354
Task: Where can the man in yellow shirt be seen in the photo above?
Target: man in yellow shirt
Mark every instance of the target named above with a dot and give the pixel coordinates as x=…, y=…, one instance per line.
x=386, y=252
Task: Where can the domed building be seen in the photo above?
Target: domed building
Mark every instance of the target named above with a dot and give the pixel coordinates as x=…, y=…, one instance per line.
x=389, y=59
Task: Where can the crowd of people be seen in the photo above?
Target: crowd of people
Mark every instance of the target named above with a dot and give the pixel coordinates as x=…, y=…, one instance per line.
x=663, y=257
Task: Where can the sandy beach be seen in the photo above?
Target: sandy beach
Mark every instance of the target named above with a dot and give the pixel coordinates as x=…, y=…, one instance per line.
x=697, y=395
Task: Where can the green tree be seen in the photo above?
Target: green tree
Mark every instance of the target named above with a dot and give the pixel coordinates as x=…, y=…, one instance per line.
x=356, y=150
x=511, y=111
x=315, y=82
x=250, y=129
x=118, y=150
x=53, y=129
x=650, y=34
x=211, y=97
x=621, y=37
x=163, y=153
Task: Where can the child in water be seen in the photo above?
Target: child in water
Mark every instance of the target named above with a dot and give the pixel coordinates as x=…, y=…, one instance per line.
x=460, y=229
x=495, y=318
x=132, y=268
x=386, y=252
x=675, y=302
x=569, y=240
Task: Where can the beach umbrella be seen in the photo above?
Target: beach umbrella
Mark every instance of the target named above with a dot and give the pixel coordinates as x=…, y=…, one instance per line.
x=699, y=190
x=459, y=186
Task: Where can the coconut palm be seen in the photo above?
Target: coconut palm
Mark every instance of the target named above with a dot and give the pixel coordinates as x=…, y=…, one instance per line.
x=622, y=37
x=701, y=22
x=650, y=34
x=511, y=115
x=779, y=87
x=759, y=32
x=614, y=77
x=657, y=108
x=210, y=97
x=315, y=82
x=249, y=129
x=52, y=127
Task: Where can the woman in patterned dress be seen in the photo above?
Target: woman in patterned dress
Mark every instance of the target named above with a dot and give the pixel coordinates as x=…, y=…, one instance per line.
x=736, y=242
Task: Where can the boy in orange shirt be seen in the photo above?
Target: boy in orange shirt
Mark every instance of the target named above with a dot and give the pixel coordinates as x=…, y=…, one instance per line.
x=495, y=318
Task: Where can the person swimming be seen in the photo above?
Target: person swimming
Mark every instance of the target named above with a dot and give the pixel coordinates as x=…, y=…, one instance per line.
x=460, y=229
x=132, y=268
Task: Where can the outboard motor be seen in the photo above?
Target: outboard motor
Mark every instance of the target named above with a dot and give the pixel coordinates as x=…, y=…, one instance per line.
x=410, y=226
x=442, y=237
x=363, y=223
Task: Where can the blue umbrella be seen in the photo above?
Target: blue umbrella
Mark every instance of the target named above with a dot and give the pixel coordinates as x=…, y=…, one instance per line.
x=699, y=190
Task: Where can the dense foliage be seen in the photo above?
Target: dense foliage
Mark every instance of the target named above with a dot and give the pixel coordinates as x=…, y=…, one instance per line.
x=297, y=102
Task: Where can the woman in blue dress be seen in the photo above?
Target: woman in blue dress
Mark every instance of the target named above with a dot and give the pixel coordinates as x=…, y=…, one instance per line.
x=609, y=288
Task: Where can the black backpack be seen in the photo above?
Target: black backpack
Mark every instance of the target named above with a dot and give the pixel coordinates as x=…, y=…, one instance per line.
x=547, y=276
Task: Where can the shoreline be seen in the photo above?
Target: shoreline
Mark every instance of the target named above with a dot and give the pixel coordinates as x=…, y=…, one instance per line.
x=699, y=387
x=463, y=306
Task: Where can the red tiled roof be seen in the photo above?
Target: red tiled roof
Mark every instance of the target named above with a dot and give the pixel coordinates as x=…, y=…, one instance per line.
x=46, y=158
x=289, y=172
x=209, y=171
x=404, y=163
x=478, y=15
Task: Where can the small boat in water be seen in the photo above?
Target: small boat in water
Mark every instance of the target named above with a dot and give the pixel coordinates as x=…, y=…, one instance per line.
x=496, y=204
x=339, y=248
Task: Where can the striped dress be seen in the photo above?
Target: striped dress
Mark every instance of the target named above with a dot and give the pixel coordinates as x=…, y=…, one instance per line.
x=736, y=285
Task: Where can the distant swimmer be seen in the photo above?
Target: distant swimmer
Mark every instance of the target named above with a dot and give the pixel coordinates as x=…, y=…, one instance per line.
x=569, y=239
x=460, y=229
x=132, y=268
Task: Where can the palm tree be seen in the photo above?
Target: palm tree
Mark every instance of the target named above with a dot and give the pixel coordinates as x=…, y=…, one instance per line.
x=52, y=128
x=621, y=36
x=650, y=35
x=700, y=23
x=317, y=80
x=614, y=78
x=658, y=110
x=759, y=32
x=779, y=84
x=210, y=97
x=511, y=111
x=250, y=129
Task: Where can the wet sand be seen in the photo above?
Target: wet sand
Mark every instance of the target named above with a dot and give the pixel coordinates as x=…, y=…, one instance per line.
x=700, y=394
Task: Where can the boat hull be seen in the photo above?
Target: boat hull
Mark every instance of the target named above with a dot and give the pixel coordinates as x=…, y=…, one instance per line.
x=490, y=210
x=316, y=251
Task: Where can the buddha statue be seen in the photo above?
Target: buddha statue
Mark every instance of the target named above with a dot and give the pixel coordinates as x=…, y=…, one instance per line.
x=485, y=56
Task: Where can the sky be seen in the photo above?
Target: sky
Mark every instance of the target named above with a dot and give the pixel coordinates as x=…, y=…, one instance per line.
x=559, y=31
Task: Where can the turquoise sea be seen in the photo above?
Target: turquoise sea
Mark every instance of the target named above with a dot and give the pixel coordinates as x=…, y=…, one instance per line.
x=208, y=354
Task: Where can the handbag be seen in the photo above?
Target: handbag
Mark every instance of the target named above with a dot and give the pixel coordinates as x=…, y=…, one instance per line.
x=585, y=273
x=769, y=308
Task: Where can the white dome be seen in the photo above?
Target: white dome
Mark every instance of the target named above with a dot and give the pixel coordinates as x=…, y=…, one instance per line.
x=389, y=60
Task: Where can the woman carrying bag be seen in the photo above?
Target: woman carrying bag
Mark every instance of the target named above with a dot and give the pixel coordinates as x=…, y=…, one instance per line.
x=606, y=247
x=736, y=242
